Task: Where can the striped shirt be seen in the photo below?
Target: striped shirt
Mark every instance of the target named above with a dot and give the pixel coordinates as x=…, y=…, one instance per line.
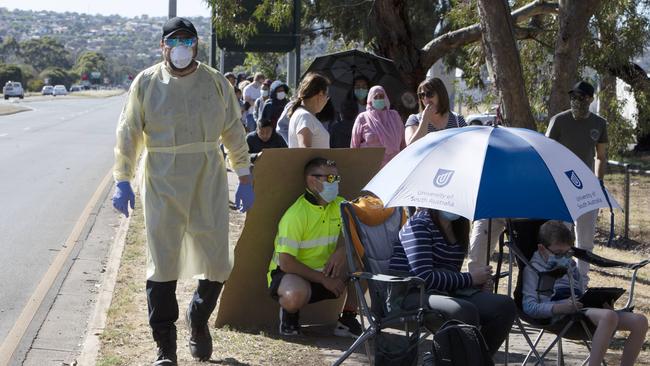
x=425, y=253
x=455, y=120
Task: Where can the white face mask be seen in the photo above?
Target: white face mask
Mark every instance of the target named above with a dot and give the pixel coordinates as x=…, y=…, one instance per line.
x=281, y=95
x=265, y=93
x=181, y=56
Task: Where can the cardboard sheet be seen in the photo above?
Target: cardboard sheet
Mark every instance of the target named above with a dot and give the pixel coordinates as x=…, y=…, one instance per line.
x=278, y=181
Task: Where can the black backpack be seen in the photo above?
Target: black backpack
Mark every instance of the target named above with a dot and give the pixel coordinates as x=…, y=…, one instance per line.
x=457, y=343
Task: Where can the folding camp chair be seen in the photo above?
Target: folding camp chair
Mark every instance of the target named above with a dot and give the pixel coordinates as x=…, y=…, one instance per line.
x=370, y=231
x=522, y=244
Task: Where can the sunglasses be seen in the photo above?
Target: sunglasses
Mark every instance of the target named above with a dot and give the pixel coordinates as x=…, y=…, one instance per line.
x=428, y=94
x=330, y=178
x=173, y=42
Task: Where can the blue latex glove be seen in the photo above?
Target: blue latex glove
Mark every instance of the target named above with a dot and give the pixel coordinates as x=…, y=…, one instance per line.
x=123, y=198
x=244, y=197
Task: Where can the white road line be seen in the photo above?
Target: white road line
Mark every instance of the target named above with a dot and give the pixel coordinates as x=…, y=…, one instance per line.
x=4, y=134
x=9, y=345
x=27, y=128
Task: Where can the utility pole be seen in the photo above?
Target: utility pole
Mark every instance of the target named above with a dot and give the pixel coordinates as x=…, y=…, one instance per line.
x=296, y=32
x=213, y=40
x=172, y=8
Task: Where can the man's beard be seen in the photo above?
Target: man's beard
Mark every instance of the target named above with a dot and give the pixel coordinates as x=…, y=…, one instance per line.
x=579, y=109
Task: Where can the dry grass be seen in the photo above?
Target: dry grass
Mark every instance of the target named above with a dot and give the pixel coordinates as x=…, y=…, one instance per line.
x=6, y=109
x=127, y=338
x=639, y=212
x=98, y=93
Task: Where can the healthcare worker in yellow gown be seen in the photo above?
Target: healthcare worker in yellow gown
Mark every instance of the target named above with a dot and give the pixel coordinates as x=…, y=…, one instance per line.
x=176, y=113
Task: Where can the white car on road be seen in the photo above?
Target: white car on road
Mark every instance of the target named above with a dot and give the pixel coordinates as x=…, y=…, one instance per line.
x=13, y=89
x=60, y=90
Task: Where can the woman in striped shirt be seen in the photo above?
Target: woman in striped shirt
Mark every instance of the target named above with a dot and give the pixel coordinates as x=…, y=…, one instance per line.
x=434, y=115
x=428, y=249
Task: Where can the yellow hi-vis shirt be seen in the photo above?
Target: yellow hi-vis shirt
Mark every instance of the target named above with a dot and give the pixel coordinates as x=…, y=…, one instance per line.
x=308, y=232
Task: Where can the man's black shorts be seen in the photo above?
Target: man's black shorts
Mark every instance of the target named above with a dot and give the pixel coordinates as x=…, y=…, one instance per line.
x=318, y=291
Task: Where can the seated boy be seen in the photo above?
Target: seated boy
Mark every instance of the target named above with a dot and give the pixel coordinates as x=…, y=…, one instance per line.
x=308, y=264
x=556, y=241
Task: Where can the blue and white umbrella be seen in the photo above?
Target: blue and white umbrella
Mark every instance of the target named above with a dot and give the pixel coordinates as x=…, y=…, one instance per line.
x=486, y=172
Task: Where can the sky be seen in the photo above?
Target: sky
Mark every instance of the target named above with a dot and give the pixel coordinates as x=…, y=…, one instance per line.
x=127, y=8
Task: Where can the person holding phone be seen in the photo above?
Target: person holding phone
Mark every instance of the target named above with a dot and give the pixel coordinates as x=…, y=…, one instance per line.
x=434, y=114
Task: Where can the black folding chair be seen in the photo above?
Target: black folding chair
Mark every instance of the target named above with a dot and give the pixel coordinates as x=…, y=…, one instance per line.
x=522, y=244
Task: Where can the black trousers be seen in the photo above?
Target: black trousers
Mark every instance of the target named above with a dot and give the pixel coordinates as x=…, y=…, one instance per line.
x=163, y=307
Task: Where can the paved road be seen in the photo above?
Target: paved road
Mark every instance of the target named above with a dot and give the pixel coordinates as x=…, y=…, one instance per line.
x=52, y=159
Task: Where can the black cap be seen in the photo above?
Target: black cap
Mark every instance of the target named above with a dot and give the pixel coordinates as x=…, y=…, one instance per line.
x=583, y=87
x=176, y=24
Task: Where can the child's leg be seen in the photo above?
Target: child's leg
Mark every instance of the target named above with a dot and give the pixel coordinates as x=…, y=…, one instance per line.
x=637, y=324
x=606, y=322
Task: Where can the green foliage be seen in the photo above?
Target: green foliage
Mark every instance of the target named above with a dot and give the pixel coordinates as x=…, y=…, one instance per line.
x=45, y=52
x=90, y=62
x=266, y=63
x=620, y=133
x=10, y=73
x=35, y=85
x=9, y=50
x=57, y=75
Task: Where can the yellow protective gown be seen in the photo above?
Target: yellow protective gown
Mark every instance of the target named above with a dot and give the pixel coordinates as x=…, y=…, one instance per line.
x=178, y=122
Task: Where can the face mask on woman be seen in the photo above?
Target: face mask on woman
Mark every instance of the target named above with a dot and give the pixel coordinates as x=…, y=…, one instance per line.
x=265, y=93
x=281, y=95
x=379, y=104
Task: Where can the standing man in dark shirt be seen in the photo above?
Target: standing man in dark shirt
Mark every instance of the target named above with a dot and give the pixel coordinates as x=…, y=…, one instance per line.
x=585, y=134
x=264, y=137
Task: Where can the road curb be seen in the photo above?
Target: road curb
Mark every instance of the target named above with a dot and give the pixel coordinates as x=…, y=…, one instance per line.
x=97, y=322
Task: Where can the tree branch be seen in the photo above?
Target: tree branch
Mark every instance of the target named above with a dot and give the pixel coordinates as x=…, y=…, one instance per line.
x=440, y=46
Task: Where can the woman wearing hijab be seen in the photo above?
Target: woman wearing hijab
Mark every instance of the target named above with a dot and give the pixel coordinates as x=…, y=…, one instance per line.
x=379, y=126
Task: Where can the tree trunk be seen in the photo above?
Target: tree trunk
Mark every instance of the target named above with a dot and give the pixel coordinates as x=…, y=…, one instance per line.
x=573, y=19
x=607, y=97
x=501, y=52
x=391, y=30
x=639, y=81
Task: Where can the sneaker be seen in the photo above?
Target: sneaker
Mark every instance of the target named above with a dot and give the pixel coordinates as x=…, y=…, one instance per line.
x=289, y=325
x=348, y=325
x=200, y=342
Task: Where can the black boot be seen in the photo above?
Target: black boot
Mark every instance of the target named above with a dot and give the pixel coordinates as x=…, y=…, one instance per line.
x=166, y=341
x=200, y=339
x=197, y=315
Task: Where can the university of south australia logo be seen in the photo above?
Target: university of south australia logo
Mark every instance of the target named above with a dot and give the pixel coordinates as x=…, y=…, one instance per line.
x=443, y=177
x=573, y=177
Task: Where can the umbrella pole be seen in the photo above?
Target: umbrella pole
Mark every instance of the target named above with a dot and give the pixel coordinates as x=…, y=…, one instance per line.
x=489, y=242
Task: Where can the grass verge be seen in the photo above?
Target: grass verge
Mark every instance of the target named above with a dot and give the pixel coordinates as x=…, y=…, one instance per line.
x=126, y=339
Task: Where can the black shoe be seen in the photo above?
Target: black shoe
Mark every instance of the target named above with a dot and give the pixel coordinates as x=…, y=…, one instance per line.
x=166, y=341
x=200, y=339
x=348, y=325
x=289, y=323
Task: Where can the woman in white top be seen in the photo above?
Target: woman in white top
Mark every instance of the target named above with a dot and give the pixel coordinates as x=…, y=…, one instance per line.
x=305, y=130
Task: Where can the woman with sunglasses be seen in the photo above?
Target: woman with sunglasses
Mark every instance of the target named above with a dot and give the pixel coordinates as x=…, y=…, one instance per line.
x=305, y=130
x=379, y=126
x=434, y=114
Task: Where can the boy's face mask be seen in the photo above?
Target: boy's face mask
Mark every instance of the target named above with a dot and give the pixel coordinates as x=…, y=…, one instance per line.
x=559, y=259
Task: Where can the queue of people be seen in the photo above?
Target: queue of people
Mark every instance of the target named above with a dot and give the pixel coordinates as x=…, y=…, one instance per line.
x=185, y=196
